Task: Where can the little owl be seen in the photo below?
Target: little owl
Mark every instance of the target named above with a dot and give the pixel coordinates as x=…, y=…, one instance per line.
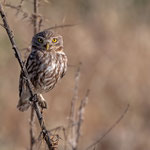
x=46, y=64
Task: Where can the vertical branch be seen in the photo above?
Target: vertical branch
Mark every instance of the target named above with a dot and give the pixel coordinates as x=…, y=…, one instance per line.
x=32, y=138
x=74, y=99
x=80, y=119
x=70, y=129
x=76, y=116
x=32, y=116
x=35, y=15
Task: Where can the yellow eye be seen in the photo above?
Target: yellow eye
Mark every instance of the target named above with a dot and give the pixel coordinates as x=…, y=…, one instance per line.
x=54, y=40
x=40, y=40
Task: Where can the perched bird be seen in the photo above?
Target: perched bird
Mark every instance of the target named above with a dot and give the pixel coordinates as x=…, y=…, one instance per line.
x=46, y=64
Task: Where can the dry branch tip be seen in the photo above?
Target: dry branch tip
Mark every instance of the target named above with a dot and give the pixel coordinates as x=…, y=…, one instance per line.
x=110, y=129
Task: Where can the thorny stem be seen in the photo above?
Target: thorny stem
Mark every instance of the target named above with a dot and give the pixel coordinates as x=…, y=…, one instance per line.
x=34, y=97
x=32, y=118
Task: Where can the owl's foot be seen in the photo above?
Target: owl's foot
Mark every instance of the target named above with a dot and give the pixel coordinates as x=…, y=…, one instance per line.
x=42, y=103
x=55, y=140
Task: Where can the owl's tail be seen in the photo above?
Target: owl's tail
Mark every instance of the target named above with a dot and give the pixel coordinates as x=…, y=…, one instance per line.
x=24, y=94
x=24, y=102
x=23, y=105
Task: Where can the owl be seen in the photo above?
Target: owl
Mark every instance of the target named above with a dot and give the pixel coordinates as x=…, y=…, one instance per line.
x=46, y=65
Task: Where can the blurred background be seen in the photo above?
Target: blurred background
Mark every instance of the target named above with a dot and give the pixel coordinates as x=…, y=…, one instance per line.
x=112, y=42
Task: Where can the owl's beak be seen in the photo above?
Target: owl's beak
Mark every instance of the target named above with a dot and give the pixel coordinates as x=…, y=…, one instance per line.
x=47, y=46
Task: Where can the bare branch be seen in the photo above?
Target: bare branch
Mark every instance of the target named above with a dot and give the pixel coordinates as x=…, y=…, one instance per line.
x=40, y=23
x=21, y=3
x=110, y=129
x=57, y=128
x=32, y=136
x=72, y=120
x=18, y=9
x=34, y=98
x=70, y=130
x=61, y=26
x=75, y=96
x=11, y=6
x=76, y=116
x=80, y=118
x=35, y=9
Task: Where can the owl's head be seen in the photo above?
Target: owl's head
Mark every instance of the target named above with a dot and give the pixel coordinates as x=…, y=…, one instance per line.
x=47, y=41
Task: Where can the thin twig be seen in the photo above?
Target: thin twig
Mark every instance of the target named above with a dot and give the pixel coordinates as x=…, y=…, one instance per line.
x=32, y=137
x=70, y=133
x=110, y=129
x=18, y=9
x=57, y=128
x=61, y=26
x=20, y=6
x=21, y=3
x=75, y=96
x=76, y=117
x=34, y=98
x=35, y=21
x=80, y=119
x=40, y=23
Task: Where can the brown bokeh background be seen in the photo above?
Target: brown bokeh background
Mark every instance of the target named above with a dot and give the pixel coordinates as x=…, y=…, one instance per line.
x=112, y=42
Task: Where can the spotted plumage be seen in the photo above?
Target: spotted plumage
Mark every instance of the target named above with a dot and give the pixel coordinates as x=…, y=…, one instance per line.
x=46, y=64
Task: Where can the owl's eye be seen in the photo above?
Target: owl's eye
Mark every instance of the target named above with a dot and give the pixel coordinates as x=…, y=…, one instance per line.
x=40, y=40
x=54, y=40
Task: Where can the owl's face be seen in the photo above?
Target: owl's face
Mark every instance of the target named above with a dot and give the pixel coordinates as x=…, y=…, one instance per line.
x=47, y=41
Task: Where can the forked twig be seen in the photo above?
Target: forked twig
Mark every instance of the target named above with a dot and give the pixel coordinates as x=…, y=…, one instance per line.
x=75, y=97
x=34, y=98
x=70, y=130
x=76, y=116
x=80, y=119
x=109, y=129
x=18, y=9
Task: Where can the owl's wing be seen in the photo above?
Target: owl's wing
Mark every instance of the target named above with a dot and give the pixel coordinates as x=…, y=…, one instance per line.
x=64, y=70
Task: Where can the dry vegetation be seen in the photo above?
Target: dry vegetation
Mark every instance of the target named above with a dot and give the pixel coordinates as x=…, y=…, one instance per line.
x=112, y=42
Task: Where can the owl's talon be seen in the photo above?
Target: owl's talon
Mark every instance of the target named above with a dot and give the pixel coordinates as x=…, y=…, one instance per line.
x=43, y=104
x=55, y=140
